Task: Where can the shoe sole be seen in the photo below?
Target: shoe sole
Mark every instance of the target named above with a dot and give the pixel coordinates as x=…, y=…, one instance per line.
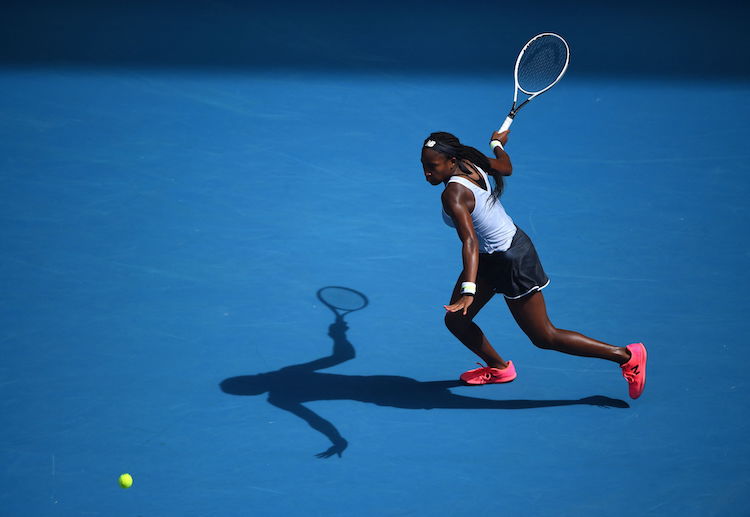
x=643, y=362
x=486, y=383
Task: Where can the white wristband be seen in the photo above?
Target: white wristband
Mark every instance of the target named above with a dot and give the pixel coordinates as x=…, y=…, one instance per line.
x=469, y=288
x=496, y=143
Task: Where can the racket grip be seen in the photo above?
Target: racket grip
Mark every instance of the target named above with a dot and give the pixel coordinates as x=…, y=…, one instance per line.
x=506, y=124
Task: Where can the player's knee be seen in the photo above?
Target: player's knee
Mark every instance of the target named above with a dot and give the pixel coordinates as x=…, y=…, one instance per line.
x=545, y=338
x=456, y=321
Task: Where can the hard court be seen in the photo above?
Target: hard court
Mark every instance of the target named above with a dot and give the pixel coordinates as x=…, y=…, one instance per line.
x=180, y=179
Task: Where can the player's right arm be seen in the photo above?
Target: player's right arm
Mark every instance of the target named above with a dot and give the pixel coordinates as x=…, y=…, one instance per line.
x=501, y=161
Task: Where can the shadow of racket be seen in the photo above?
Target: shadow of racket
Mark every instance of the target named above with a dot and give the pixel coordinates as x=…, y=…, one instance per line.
x=342, y=300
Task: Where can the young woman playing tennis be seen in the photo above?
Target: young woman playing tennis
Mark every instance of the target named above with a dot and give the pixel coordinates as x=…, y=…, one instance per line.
x=498, y=257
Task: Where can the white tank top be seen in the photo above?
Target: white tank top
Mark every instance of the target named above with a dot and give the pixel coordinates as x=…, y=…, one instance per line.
x=494, y=227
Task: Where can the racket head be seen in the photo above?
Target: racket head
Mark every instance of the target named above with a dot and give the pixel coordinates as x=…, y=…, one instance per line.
x=541, y=63
x=342, y=300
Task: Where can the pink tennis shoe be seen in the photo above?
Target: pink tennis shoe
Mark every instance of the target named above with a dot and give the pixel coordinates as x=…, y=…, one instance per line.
x=634, y=370
x=487, y=375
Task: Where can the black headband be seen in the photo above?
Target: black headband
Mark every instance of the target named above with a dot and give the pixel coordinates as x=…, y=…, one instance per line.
x=440, y=147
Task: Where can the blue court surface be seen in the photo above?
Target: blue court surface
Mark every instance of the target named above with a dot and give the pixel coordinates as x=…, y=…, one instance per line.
x=166, y=225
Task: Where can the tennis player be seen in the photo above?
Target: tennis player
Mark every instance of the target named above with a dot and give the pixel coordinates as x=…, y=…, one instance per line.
x=498, y=257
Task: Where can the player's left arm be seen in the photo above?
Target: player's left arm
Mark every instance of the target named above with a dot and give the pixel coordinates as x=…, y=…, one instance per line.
x=456, y=199
x=501, y=161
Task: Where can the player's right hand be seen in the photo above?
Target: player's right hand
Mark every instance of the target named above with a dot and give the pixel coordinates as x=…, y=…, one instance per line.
x=502, y=137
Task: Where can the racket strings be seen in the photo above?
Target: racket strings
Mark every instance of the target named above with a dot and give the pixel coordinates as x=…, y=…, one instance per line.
x=542, y=64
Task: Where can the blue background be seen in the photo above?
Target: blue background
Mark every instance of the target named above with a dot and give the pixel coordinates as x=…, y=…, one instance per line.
x=178, y=181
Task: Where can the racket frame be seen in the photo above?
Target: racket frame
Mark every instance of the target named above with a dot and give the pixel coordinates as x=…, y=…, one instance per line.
x=514, y=109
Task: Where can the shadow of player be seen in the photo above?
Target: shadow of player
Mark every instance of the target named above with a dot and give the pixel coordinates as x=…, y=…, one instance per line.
x=290, y=387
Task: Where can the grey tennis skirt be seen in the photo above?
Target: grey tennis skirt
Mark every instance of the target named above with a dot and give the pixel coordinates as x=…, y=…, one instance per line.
x=516, y=272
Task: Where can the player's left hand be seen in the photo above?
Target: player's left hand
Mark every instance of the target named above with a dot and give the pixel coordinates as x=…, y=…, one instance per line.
x=462, y=304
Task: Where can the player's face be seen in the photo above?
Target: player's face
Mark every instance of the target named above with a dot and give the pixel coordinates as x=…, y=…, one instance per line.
x=437, y=167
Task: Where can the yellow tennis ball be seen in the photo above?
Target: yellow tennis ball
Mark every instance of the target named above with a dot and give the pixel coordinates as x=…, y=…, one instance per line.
x=126, y=481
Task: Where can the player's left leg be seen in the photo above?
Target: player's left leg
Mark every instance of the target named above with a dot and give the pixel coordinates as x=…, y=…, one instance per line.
x=468, y=332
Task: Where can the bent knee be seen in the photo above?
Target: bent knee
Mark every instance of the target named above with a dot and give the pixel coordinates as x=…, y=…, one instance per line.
x=456, y=320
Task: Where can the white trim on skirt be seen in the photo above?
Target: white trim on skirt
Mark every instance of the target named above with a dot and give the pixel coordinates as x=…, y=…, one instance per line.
x=535, y=288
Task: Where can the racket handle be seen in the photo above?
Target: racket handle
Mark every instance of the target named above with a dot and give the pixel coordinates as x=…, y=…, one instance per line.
x=506, y=124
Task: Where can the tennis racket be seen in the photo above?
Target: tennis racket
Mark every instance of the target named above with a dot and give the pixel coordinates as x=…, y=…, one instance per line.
x=342, y=300
x=540, y=65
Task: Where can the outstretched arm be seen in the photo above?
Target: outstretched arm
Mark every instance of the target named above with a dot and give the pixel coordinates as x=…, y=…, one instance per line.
x=458, y=204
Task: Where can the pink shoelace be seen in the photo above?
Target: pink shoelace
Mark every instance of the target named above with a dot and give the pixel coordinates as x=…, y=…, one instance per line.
x=629, y=376
x=484, y=372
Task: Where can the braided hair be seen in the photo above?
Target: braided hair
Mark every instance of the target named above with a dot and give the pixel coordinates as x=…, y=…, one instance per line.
x=448, y=145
